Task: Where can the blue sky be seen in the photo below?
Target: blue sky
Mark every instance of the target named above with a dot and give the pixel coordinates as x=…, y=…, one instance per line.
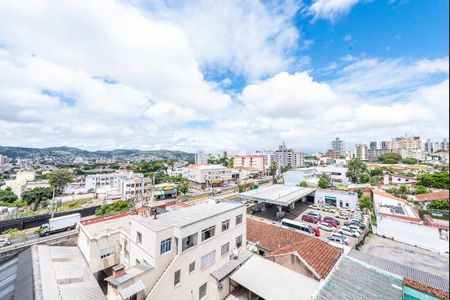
x=221, y=75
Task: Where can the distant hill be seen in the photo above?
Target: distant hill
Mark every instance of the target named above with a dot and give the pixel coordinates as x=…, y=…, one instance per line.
x=69, y=153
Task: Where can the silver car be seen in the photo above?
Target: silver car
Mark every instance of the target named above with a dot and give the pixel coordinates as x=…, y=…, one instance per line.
x=4, y=242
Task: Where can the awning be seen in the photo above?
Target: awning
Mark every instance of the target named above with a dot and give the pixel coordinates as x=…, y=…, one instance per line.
x=284, y=283
x=132, y=289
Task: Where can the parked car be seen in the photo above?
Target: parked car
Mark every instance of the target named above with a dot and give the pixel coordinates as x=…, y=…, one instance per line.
x=336, y=220
x=347, y=231
x=355, y=222
x=329, y=208
x=4, y=242
x=314, y=206
x=310, y=219
x=355, y=228
x=331, y=222
x=338, y=238
x=326, y=226
x=315, y=215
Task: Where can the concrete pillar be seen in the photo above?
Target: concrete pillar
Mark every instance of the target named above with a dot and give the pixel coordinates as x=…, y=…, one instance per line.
x=280, y=208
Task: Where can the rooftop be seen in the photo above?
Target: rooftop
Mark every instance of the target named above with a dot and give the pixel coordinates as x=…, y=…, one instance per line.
x=206, y=167
x=105, y=226
x=433, y=196
x=390, y=206
x=231, y=266
x=319, y=255
x=273, y=281
x=353, y=279
x=277, y=194
x=187, y=216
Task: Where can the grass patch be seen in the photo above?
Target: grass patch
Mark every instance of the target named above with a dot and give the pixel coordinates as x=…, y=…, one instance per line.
x=74, y=204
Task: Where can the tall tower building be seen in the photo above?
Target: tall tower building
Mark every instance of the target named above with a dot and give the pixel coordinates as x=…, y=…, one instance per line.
x=338, y=145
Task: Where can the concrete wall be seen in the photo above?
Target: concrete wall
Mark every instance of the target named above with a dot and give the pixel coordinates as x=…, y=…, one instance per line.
x=419, y=235
x=294, y=263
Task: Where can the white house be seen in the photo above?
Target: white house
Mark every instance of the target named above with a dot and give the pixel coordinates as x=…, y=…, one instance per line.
x=207, y=175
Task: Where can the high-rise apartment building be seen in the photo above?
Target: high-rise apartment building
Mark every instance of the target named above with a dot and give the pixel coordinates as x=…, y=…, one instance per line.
x=373, y=145
x=361, y=151
x=288, y=157
x=435, y=146
x=3, y=160
x=201, y=158
x=405, y=143
x=338, y=145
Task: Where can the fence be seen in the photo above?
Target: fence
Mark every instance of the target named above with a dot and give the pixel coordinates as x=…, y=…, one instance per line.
x=38, y=220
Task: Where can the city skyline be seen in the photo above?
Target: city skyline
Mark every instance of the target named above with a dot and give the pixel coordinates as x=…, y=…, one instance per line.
x=163, y=75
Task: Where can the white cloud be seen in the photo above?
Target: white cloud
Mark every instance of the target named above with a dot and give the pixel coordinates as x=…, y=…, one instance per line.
x=330, y=9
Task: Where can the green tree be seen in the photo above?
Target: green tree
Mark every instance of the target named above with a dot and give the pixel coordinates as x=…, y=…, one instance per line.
x=7, y=195
x=365, y=202
x=357, y=171
x=37, y=196
x=273, y=171
x=241, y=188
x=409, y=161
x=303, y=184
x=113, y=208
x=59, y=178
x=324, y=181
x=377, y=172
x=390, y=158
x=438, y=180
x=374, y=180
x=420, y=189
x=183, y=188
x=439, y=204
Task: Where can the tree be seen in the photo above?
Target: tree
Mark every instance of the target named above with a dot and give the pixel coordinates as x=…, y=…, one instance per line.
x=390, y=158
x=273, y=170
x=439, y=204
x=37, y=196
x=377, y=172
x=374, y=180
x=58, y=179
x=303, y=184
x=113, y=208
x=365, y=202
x=420, y=189
x=438, y=180
x=7, y=195
x=409, y=161
x=324, y=181
x=357, y=171
x=183, y=188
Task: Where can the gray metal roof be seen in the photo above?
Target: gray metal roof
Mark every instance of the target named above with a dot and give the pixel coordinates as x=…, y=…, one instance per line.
x=429, y=279
x=187, y=216
x=16, y=277
x=277, y=194
x=231, y=266
x=353, y=280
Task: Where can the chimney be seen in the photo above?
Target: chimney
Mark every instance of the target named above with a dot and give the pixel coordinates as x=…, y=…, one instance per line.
x=118, y=271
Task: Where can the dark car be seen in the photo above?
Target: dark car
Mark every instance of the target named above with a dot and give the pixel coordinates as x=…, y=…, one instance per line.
x=310, y=219
x=356, y=223
x=335, y=220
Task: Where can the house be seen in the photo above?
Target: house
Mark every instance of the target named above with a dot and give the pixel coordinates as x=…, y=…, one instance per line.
x=398, y=180
x=425, y=199
x=303, y=254
x=399, y=220
x=202, y=176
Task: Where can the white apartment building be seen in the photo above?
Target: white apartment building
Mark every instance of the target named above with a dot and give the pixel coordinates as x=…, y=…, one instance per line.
x=201, y=158
x=110, y=180
x=207, y=175
x=361, y=151
x=24, y=181
x=410, y=142
x=3, y=160
x=172, y=256
x=135, y=187
x=256, y=161
x=288, y=157
x=412, y=153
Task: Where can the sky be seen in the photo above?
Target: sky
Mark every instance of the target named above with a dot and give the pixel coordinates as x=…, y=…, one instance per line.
x=221, y=75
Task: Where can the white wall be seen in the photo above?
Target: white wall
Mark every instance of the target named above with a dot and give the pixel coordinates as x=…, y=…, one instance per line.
x=349, y=198
x=414, y=234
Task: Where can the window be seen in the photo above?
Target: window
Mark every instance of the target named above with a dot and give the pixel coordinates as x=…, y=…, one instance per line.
x=138, y=237
x=177, y=278
x=166, y=245
x=238, y=219
x=208, y=233
x=189, y=241
x=105, y=255
x=191, y=267
x=225, y=225
x=239, y=241
x=225, y=249
x=208, y=259
x=202, y=291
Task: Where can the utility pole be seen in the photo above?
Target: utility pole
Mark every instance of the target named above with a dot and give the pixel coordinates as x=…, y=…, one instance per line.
x=53, y=203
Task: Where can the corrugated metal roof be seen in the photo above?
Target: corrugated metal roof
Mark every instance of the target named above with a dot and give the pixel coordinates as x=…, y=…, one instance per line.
x=278, y=194
x=352, y=279
x=16, y=277
x=402, y=270
x=230, y=266
x=132, y=289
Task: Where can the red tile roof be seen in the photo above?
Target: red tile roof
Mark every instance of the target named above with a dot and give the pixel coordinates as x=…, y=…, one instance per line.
x=318, y=254
x=426, y=289
x=433, y=196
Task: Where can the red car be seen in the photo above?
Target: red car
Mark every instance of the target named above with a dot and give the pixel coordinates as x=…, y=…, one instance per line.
x=310, y=219
x=331, y=222
x=316, y=231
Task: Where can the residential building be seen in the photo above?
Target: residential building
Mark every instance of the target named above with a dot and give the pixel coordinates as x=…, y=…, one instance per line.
x=336, y=198
x=399, y=220
x=3, y=160
x=398, y=180
x=288, y=157
x=384, y=145
x=338, y=145
x=304, y=254
x=333, y=154
x=103, y=181
x=25, y=181
x=172, y=256
x=424, y=199
x=405, y=143
x=435, y=146
x=361, y=151
x=135, y=186
x=311, y=175
x=207, y=175
x=373, y=145
x=201, y=158
x=258, y=161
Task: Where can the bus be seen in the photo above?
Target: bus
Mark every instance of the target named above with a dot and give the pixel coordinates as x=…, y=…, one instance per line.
x=300, y=227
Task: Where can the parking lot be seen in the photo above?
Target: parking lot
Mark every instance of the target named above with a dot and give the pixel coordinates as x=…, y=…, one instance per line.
x=297, y=214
